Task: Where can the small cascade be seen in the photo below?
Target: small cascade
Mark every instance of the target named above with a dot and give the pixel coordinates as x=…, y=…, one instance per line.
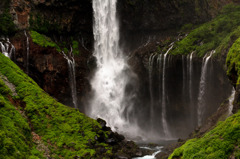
x=151, y=63
x=7, y=48
x=27, y=48
x=231, y=99
x=72, y=77
x=3, y=49
x=164, y=111
x=202, y=87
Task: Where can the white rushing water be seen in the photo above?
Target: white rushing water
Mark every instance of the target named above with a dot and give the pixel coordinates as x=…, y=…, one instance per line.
x=191, y=88
x=27, y=48
x=3, y=49
x=72, y=77
x=7, y=48
x=110, y=79
x=231, y=99
x=155, y=149
x=164, y=111
x=202, y=88
x=151, y=63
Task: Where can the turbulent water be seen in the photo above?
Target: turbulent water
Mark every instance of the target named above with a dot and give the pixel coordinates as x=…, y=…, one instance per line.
x=112, y=75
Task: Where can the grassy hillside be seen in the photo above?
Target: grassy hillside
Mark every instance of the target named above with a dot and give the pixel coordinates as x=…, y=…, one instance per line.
x=65, y=132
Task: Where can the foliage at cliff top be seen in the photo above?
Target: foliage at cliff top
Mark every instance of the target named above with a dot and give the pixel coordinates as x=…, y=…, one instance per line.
x=213, y=35
x=43, y=40
x=221, y=142
x=233, y=62
x=67, y=132
x=7, y=27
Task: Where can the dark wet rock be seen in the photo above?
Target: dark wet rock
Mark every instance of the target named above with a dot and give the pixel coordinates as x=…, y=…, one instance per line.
x=221, y=114
x=102, y=122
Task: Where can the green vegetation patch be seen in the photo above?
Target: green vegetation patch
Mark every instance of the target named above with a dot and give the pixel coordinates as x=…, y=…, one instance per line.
x=219, y=143
x=68, y=132
x=233, y=61
x=43, y=40
x=15, y=133
x=7, y=27
x=212, y=35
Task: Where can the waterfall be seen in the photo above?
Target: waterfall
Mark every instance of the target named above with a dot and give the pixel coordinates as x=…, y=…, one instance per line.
x=191, y=89
x=27, y=47
x=72, y=77
x=151, y=63
x=183, y=76
x=164, y=111
x=112, y=74
x=231, y=99
x=202, y=87
x=3, y=49
x=7, y=48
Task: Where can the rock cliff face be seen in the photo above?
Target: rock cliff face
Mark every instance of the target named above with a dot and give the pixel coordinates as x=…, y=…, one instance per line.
x=151, y=19
x=49, y=68
x=62, y=20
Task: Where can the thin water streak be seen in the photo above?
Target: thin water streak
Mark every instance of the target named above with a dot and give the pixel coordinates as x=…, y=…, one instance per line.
x=27, y=48
x=72, y=77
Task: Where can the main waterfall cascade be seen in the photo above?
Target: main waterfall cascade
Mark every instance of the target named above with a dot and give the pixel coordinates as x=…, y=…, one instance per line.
x=112, y=91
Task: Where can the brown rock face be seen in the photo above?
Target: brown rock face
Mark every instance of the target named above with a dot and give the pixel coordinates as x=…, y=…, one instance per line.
x=50, y=69
x=20, y=10
x=151, y=19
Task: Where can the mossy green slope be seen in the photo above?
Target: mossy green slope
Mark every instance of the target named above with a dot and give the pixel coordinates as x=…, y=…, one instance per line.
x=220, y=143
x=214, y=35
x=233, y=61
x=15, y=133
x=67, y=132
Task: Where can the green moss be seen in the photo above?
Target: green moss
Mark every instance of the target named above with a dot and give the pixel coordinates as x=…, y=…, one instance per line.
x=15, y=133
x=7, y=27
x=216, y=144
x=43, y=40
x=233, y=61
x=212, y=35
x=70, y=132
x=75, y=47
